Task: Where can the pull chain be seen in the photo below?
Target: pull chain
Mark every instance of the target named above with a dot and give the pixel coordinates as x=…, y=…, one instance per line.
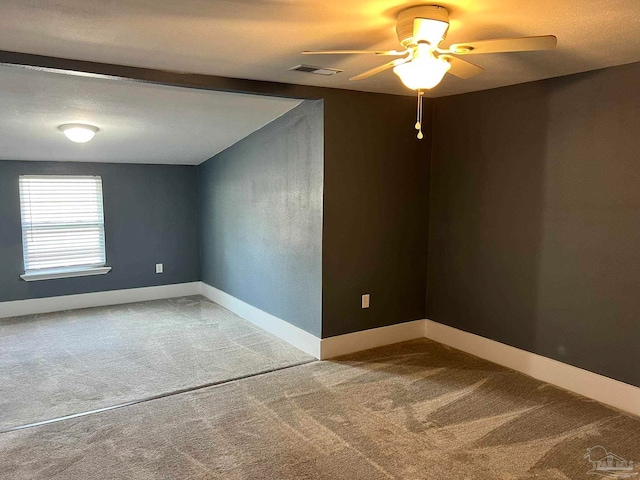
x=418, y=125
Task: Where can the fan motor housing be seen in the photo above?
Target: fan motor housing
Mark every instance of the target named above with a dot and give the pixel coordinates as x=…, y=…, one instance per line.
x=404, y=25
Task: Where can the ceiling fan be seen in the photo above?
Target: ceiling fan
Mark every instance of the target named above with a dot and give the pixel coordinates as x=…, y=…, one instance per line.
x=423, y=63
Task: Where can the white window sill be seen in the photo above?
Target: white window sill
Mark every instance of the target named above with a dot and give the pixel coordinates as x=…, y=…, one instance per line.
x=54, y=273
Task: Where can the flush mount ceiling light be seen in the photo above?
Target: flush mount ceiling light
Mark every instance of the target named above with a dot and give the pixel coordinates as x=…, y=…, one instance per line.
x=78, y=132
x=424, y=63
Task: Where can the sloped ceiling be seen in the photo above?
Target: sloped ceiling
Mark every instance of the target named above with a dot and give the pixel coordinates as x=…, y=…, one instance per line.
x=139, y=123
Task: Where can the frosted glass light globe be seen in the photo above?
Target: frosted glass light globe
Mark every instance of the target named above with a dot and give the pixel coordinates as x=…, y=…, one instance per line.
x=78, y=133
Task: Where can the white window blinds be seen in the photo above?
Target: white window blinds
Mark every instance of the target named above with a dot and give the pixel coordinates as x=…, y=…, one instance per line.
x=62, y=222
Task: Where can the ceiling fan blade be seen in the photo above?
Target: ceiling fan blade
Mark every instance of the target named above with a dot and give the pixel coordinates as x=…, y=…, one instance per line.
x=523, y=44
x=381, y=68
x=461, y=68
x=351, y=52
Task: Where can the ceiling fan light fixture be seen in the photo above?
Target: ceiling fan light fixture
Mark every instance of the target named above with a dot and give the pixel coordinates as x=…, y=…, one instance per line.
x=421, y=29
x=78, y=132
x=422, y=73
x=430, y=30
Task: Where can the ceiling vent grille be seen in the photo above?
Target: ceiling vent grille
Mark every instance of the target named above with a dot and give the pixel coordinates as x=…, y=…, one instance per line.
x=316, y=70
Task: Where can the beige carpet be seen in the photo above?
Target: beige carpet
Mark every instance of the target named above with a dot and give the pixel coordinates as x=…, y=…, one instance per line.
x=64, y=363
x=416, y=410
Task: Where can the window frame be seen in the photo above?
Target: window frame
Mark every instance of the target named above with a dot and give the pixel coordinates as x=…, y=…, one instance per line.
x=51, y=273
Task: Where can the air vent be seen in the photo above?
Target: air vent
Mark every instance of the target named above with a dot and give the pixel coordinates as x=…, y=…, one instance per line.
x=316, y=70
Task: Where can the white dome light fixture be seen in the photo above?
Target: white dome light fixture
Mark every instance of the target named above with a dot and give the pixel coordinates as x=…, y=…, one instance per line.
x=424, y=71
x=78, y=132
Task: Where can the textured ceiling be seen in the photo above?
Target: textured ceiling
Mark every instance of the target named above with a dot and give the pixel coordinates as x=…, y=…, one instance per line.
x=261, y=39
x=139, y=123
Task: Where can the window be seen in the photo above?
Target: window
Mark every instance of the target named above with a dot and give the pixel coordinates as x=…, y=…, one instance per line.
x=62, y=226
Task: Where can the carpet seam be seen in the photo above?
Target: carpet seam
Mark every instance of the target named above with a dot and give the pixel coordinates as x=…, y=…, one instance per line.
x=153, y=397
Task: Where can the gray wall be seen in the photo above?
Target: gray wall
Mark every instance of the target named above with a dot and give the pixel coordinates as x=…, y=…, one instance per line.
x=151, y=216
x=535, y=218
x=261, y=218
x=376, y=220
x=374, y=235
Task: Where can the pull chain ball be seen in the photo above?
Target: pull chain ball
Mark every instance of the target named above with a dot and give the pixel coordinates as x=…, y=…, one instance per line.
x=418, y=125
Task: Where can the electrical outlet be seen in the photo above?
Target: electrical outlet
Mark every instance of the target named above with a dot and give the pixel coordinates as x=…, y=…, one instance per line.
x=365, y=300
x=159, y=268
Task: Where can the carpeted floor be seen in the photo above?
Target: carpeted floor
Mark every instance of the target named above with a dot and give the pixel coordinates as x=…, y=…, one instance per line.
x=64, y=363
x=416, y=410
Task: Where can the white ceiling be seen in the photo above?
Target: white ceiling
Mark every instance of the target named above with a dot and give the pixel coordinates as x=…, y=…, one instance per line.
x=261, y=39
x=139, y=123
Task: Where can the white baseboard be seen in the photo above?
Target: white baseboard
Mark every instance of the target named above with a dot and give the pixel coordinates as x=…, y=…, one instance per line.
x=319, y=348
x=295, y=336
x=372, y=338
x=591, y=385
x=96, y=299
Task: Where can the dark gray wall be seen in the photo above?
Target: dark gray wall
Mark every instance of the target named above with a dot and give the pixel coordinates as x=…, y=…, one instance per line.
x=375, y=211
x=535, y=218
x=376, y=194
x=261, y=218
x=151, y=216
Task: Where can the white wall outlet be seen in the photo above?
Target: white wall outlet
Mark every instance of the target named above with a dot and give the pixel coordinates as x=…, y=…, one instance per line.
x=365, y=300
x=159, y=268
